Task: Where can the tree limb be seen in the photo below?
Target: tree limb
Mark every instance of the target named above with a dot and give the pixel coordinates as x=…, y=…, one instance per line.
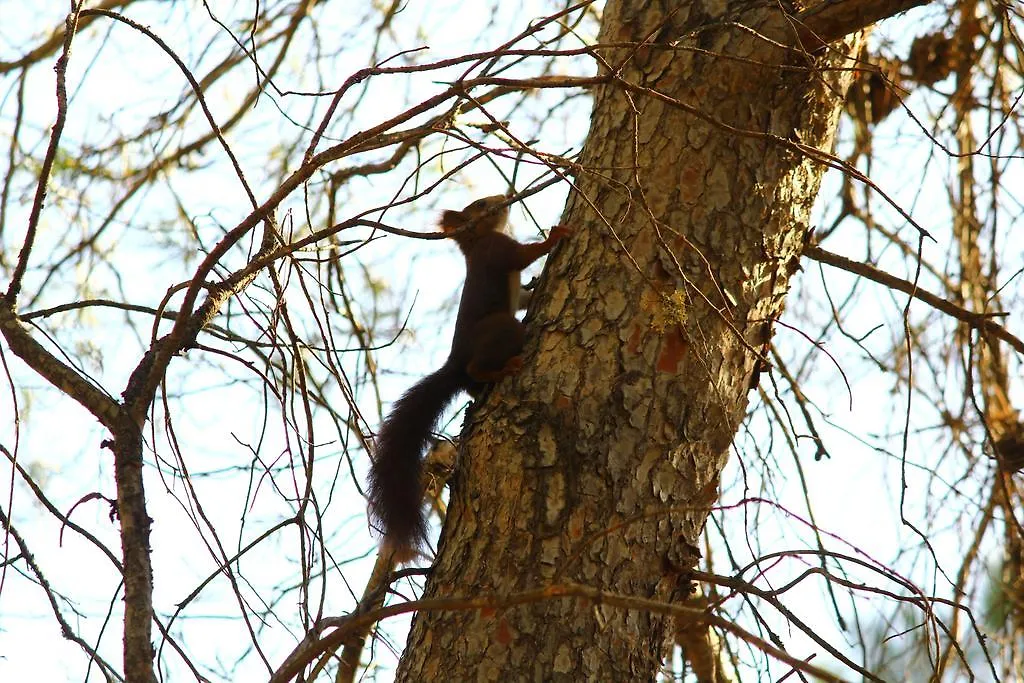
x=979, y=321
x=830, y=20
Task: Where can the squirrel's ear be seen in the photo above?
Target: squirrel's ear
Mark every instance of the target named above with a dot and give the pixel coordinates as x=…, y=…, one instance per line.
x=452, y=220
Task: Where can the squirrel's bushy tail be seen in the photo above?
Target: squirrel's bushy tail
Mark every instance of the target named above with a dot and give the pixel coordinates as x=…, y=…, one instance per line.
x=395, y=487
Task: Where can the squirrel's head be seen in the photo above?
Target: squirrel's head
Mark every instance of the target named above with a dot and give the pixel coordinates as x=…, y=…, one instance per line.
x=488, y=214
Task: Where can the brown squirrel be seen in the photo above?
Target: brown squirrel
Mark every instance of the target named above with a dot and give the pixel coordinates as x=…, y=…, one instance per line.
x=485, y=347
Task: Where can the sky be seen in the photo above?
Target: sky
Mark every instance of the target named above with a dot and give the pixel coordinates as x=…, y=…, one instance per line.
x=121, y=86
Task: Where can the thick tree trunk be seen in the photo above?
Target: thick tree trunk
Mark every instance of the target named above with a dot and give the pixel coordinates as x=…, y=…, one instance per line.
x=644, y=342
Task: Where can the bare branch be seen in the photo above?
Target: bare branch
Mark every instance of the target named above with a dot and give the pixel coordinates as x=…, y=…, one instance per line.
x=828, y=21
x=56, y=372
x=980, y=321
x=61, y=69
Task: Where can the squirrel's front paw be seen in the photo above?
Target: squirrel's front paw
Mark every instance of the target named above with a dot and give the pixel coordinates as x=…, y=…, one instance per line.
x=559, y=232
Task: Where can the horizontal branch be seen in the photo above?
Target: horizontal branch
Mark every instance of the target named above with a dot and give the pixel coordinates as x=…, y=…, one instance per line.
x=103, y=303
x=979, y=321
x=830, y=20
x=311, y=647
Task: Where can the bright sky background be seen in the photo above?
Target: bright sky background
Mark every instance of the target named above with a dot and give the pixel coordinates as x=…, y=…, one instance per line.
x=854, y=494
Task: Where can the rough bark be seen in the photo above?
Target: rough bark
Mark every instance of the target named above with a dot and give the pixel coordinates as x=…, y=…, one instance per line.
x=135, y=548
x=598, y=463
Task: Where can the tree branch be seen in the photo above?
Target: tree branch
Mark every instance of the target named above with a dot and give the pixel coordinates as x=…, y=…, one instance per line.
x=55, y=39
x=979, y=321
x=310, y=647
x=831, y=20
x=62, y=376
x=61, y=69
x=109, y=672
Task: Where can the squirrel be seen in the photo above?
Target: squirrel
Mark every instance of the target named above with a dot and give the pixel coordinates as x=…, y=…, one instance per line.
x=486, y=346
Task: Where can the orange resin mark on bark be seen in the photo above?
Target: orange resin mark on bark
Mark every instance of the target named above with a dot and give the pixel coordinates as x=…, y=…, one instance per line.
x=673, y=350
x=504, y=634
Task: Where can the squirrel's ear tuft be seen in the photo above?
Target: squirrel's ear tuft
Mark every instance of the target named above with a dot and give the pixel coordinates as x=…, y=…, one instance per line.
x=451, y=220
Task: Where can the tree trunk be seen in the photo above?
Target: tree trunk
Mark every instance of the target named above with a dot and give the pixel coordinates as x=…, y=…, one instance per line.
x=692, y=210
